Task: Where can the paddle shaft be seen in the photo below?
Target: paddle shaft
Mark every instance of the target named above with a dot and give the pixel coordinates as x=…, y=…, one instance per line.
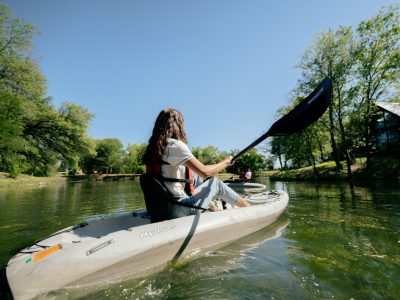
x=253, y=144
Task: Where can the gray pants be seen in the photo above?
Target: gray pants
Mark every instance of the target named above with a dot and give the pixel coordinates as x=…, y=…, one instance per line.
x=204, y=193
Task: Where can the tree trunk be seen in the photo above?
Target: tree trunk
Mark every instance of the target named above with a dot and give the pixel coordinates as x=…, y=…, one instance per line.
x=321, y=150
x=311, y=155
x=348, y=163
x=335, y=152
x=345, y=144
x=280, y=160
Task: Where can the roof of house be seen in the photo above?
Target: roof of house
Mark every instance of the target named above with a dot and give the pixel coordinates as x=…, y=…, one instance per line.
x=394, y=108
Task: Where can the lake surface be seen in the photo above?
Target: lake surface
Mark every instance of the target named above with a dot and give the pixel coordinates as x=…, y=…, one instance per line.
x=335, y=242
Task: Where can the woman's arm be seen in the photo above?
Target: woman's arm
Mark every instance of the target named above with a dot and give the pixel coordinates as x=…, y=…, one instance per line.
x=207, y=170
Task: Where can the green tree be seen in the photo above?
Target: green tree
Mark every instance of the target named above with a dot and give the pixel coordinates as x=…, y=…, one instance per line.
x=34, y=135
x=133, y=162
x=52, y=135
x=88, y=161
x=377, y=66
x=10, y=133
x=252, y=159
x=75, y=121
x=109, y=155
x=208, y=155
x=21, y=83
x=364, y=67
x=302, y=148
x=332, y=54
x=276, y=148
x=19, y=73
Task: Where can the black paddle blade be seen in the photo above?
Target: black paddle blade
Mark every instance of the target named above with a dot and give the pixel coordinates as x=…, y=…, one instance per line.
x=306, y=112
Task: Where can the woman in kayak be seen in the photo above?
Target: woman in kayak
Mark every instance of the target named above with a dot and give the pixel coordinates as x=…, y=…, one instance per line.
x=168, y=157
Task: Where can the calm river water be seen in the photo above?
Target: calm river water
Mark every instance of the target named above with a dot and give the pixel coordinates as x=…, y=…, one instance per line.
x=334, y=243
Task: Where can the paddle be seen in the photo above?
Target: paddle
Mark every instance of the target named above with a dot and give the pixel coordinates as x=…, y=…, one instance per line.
x=305, y=113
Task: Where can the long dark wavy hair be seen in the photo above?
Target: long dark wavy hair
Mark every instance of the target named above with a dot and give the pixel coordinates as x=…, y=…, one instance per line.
x=169, y=124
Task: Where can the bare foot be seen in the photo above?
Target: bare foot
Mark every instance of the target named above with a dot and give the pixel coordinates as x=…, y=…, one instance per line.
x=213, y=207
x=242, y=203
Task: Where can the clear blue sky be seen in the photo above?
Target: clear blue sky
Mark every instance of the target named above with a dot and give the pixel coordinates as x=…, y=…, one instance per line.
x=227, y=65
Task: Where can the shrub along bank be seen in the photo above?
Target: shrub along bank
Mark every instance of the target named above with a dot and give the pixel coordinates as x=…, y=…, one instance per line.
x=375, y=168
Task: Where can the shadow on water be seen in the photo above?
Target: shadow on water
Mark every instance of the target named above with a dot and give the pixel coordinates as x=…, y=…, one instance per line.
x=5, y=292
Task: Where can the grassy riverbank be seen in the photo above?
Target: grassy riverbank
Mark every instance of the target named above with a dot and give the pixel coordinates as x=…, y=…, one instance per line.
x=5, y=180
x=377, y=168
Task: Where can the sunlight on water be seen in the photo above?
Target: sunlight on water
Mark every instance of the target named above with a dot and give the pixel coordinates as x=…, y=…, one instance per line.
x=335, y=243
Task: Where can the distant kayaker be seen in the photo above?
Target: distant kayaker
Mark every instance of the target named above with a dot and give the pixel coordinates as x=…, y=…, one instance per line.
x=169, y=155
x=247, y=175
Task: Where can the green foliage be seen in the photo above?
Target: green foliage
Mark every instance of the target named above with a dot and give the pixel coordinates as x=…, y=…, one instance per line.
x=109, y=153
x=132, y=162
x=208, y=155
x=363, y=64
x=256, y=161
x=109, y=156
x=34, y=135
x=11, y=129
x=383, y=167
x=377, y=66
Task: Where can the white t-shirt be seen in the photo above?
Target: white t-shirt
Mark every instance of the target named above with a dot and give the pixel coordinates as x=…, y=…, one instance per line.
x=177, y=153
x=247, y=175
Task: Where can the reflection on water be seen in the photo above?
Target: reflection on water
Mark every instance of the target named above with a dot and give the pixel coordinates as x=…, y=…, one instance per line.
x=29, y=213
x=340, y=243
x=346, y=242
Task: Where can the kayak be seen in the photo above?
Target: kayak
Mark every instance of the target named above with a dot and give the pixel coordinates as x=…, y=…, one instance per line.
x=247, y=186
x=114, y=247
x=225, y=259
x=111, y=248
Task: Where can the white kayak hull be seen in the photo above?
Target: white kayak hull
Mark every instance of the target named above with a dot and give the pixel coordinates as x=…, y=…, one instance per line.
x=111, y=248
x=247, y=186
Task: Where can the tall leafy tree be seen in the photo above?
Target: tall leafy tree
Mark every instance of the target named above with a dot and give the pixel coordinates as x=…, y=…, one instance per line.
x=252, y=159
x=10, y=133
x=276, y=148
x=332, y=55
x=19, y=73
x=34, y=135
x=364, y=67
x=109, y=155
x=74, y=123
x=133, y=162
x=21, y=83
x=303, y=148
x=52, y=135
x=208, y=155
x=377, y=66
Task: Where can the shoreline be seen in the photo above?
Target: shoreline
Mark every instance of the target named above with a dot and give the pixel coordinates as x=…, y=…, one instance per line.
x=381, y=168
x=384, y=168
x=28, y=180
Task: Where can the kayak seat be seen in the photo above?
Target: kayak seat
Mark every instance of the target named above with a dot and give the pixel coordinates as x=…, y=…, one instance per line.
x=157, y=198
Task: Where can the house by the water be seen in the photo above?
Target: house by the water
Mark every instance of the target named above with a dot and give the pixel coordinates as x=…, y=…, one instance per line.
x=388, y=127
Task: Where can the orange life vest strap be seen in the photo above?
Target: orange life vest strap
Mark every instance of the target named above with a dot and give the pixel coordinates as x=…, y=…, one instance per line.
x=189, y=187
x=155, y=171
